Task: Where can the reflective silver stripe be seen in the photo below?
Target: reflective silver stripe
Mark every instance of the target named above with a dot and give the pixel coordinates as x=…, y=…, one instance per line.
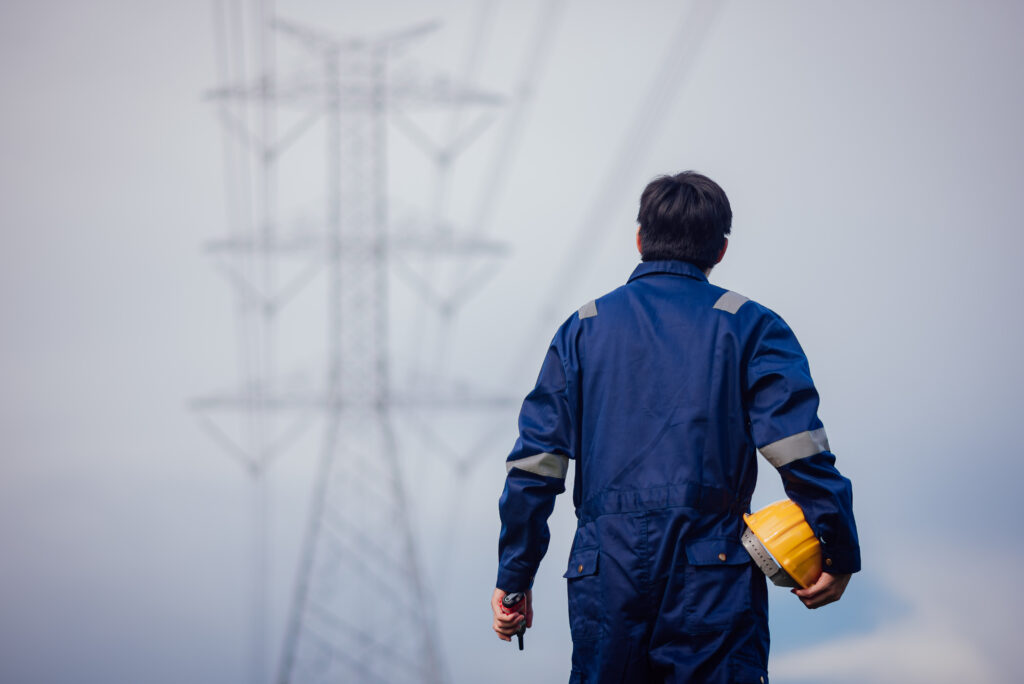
x=764, y=560
x=795, y=447
x=588, y=310
x=548, y=465
x=730, y=302
x=756, y=549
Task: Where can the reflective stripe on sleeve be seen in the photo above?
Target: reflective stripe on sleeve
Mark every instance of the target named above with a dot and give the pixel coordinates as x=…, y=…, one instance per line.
x=548, y=465
x=588, y=310
x=730, y=302
x=795, y=447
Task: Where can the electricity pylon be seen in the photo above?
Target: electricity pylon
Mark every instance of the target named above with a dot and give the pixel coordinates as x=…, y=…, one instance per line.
x=359, y=610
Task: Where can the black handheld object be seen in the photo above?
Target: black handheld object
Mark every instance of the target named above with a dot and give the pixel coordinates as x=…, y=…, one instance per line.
x=509, y=603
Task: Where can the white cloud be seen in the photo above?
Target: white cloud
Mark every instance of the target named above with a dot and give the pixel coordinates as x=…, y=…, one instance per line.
x=958, y=627
x=911, y=651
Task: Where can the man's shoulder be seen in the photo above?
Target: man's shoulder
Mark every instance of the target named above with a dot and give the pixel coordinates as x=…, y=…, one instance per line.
x=738, y=304
x=593, y=307
x=711, y=297
x=749, y=317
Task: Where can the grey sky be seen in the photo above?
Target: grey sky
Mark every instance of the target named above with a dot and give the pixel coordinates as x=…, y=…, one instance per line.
x=873, y=157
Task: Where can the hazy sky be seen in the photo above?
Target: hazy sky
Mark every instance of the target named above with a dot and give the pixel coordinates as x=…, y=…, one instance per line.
x=873, y=156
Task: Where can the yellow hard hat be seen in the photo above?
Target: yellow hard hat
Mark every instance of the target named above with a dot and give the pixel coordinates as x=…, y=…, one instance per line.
x=783, y=545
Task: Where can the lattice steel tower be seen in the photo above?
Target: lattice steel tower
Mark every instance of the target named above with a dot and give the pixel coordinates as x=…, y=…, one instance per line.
x=359, y=611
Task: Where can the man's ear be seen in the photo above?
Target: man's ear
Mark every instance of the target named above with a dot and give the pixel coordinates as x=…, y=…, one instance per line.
x=721, y=254
x=638, y=247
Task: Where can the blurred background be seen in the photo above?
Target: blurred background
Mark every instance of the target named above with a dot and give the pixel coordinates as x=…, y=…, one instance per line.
x=274, y=277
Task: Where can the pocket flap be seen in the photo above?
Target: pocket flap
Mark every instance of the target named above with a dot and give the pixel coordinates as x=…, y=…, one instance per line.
x=716, y=551
x=582, y=562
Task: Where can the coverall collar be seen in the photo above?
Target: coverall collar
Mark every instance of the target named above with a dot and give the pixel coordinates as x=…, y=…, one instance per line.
x=683, y=268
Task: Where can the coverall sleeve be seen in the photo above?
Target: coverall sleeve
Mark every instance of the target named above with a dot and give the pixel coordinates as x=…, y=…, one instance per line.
x=536, y=470
x=783, y=411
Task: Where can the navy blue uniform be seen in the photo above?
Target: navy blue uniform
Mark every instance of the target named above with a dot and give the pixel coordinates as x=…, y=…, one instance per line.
x=659, y=395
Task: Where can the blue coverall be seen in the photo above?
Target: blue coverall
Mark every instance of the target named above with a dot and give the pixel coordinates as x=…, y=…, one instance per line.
x=659, y=392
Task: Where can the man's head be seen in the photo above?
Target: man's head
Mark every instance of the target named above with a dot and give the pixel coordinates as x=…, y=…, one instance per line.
x=685, y=217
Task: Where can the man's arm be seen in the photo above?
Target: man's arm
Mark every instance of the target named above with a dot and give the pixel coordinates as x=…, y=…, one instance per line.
x=536, y=470
x=783, y=406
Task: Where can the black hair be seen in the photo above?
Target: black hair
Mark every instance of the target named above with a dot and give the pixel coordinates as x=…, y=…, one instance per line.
x=684, y=217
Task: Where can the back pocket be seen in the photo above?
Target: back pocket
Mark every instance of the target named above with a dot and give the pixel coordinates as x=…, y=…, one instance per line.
x=717, y=584
x=583, y=585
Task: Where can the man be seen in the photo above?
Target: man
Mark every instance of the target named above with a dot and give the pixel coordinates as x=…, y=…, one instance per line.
x=658, y=393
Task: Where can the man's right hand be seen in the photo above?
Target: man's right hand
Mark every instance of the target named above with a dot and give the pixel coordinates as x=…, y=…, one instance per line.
x=507, y=624
x=828, y=589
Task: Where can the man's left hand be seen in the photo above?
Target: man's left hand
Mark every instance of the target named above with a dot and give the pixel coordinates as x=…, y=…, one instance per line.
x=828, y=589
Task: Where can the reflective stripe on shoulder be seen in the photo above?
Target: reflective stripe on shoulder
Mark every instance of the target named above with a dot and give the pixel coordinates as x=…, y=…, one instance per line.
x=730, y=302
x=795, y=447
x=548, y=465
x=588, y=310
